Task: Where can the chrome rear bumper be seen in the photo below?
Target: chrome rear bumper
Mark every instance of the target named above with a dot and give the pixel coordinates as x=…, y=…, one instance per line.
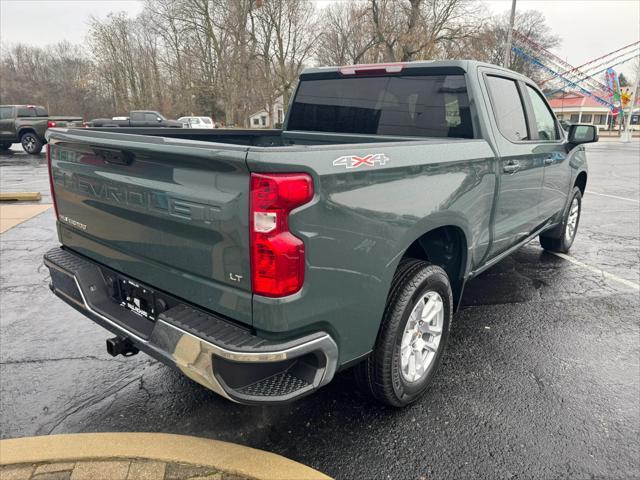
x=212, y=351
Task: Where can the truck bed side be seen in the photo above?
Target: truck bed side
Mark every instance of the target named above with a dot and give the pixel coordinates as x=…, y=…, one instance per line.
x=363, y=220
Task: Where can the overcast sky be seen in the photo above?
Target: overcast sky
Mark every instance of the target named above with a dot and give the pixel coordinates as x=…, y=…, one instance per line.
x=588, y=28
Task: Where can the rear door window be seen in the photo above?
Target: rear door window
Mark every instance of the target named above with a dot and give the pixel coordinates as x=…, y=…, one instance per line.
x=405, y=105
x=507, y=108
x=32, y=112
x=26, y=112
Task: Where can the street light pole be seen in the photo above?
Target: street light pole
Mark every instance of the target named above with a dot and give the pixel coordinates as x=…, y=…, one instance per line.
x=507, y=45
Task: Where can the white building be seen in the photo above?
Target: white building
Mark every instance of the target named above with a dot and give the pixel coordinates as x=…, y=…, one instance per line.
x=262, y=119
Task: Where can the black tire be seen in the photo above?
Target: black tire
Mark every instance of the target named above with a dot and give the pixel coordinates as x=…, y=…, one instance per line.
x=5, y=146
x=31, y=143
x=560, y=238
x=381, y=373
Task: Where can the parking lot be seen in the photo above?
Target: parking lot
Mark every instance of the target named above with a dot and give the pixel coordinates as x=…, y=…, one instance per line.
x=541, y=378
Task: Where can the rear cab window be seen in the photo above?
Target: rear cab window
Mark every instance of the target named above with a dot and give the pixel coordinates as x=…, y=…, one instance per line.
x=408, y=105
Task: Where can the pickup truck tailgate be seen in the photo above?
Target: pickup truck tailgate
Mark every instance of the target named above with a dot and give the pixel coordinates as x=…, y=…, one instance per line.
x=63, y=122
x=167, y=212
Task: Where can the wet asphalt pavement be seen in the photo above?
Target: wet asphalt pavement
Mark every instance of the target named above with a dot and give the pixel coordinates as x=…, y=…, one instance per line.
x=541, y=378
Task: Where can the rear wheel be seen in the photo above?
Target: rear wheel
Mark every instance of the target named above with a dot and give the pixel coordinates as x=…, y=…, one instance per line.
x=413, y=335
x=561, y=238
x=5, y=146
x=31, y=143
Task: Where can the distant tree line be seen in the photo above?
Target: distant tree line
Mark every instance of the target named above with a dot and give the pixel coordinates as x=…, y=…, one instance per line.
x=228, y=58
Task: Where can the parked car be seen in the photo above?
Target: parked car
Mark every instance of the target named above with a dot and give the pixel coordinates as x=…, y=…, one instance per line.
x=197, y=122
x=136, y=118
x=261, y=262
x=27, y=124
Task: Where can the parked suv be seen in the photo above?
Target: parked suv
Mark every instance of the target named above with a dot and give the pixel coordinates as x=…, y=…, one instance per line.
x=260, y=262
x=197, y=122
x=27, y=124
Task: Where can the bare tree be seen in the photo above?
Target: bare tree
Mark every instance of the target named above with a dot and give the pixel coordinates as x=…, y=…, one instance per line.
x=289, y=33
x=348, y=36
x=228, y=58
x=60, y=77
x=418, y=29
x=488, y=43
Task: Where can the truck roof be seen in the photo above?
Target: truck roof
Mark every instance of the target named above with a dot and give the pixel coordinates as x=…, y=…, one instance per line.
x=27, y=106
x=397, y=67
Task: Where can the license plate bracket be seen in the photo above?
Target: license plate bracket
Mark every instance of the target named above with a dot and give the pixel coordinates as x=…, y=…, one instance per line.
x=137, y=299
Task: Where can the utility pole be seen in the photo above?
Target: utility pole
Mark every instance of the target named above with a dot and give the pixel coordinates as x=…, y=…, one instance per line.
x=626, y=135
x=507, y=45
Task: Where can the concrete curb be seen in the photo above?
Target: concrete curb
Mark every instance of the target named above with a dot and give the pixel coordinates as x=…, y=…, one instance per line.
x=223, y=456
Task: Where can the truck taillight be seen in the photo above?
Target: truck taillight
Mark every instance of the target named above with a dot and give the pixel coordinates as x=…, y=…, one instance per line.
x=53, y=193
x=277, y=256
x=51, y=124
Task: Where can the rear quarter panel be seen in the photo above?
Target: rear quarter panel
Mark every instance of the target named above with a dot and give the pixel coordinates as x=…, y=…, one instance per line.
x=361, y=222
x=37, y=125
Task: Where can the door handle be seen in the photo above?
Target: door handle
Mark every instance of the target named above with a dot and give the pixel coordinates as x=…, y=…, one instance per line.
x=512, y=167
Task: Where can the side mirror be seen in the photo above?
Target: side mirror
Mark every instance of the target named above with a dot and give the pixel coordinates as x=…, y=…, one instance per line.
x=579, y=134
x=158, y=119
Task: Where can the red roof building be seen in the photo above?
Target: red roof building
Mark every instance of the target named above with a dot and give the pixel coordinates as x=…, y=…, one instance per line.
x=577, y=108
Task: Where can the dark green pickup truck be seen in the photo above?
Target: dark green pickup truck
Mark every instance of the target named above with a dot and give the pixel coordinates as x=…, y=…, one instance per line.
x=136, y=119
x=27, y=124
x=259, y=263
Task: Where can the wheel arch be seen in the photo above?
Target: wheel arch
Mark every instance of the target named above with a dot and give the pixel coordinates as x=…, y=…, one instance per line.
x=446, y=246
x=25, y=130
x=581, y=181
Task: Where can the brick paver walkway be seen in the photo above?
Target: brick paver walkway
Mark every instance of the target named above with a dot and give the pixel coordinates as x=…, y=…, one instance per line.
x=113, y=469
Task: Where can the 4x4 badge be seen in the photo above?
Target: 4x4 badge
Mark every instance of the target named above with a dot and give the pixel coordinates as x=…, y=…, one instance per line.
x=353, y=161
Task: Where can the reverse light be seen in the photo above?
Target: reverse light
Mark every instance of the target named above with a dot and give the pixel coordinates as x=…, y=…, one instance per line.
x=277, y=256
x=50, y=168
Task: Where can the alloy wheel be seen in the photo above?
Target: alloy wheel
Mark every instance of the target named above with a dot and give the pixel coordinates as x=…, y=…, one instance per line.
x=572, y=220
x=421, y=337
x=29, y=143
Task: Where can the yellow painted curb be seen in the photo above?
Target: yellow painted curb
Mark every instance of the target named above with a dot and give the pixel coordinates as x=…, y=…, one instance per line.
x=4, y=196
x=223, y=456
